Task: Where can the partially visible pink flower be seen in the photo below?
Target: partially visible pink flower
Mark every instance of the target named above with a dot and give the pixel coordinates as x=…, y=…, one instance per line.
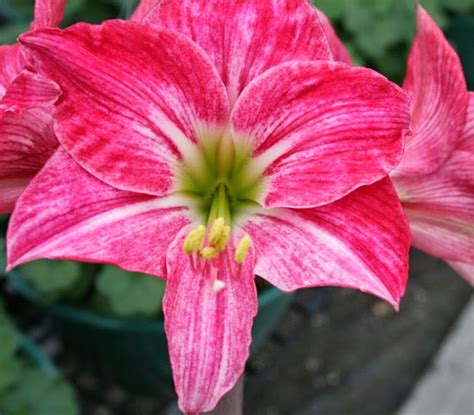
x=435, y=179
x=27, y=139
x=210, y=155
x=20, y=88
x=440, y=205
x=26, y=125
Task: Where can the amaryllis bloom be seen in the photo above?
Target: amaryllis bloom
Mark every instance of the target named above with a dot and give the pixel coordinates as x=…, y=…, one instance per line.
x=26, y=131
x=217, y=143
x=435, y=179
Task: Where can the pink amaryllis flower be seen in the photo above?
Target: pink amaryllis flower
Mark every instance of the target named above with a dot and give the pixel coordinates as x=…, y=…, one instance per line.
x=26, y=133
x=216, y=144
x=435, y=179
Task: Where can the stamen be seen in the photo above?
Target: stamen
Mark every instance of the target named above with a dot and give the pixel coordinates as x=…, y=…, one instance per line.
x=242, y=249
x=209, y=252
x=218, y=285
x=217, y=228
x=194, y=240
x=222, y=243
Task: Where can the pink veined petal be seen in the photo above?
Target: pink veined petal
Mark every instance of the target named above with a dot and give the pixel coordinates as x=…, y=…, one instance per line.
x=465, y=270
x=339, y=51
x=440, y=205
x=320, y=130
x=48, y=13
x=134, y=99
x=435, y=80
x=143, y=9
x=66, y=213
x=26, y=143
x=11, y=64
x=10, y=191
x=208, y=333
x=467, y=140
x=245, y=38
x=442, y=234
x=440, y=208
x=29, y=90
x=361, y=241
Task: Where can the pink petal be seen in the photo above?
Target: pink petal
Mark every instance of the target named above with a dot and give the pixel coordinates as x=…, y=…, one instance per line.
x=245, y=38
x=48, y=13
x=465, y=270
x=466, y=143
x=143, y=92
x=360, y=241
x=436, y=82
x=11, y=64
x=321, y=130
x=65, y=213
x=440, y=209
x=10, y=191
x=440, y=205
x=446, y=235
x=209, y=333
x=26, y=143
x=143, y=9
x=29, y=90
x=339, y=51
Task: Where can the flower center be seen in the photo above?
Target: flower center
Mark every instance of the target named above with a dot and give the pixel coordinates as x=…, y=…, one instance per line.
x=223, y=180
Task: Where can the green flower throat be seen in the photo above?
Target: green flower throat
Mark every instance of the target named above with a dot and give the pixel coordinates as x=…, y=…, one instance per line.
x=223, y=181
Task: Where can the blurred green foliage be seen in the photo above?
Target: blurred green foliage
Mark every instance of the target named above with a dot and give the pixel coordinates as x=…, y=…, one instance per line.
x=17, y=14
x=105, y=289
x=24, y=389
x=379, y=33
x=58, y=280
x=128, y=295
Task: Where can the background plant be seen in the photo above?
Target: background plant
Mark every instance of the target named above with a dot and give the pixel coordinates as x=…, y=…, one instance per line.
x=25, y=389
x=105, y=289
x=378, y=33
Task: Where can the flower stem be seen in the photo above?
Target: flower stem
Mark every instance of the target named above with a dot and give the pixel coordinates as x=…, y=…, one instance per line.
x=232, y=403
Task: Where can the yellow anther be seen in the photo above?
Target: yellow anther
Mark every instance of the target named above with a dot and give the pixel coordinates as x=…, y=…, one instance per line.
x=194, y=240
x=209, y=252
x=221, y=245
x=216, y=231
x=242, y=249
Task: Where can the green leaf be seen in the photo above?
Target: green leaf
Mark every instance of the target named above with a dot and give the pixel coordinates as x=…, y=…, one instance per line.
x=11, y=371
x=24, y=9
x=9, y=337
x=459, y=6
x=96, y=12
x=38, y=394
x=58, y=280
x=10, y=32
x=128, y=295
x=10, y=366
x=331, y=8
